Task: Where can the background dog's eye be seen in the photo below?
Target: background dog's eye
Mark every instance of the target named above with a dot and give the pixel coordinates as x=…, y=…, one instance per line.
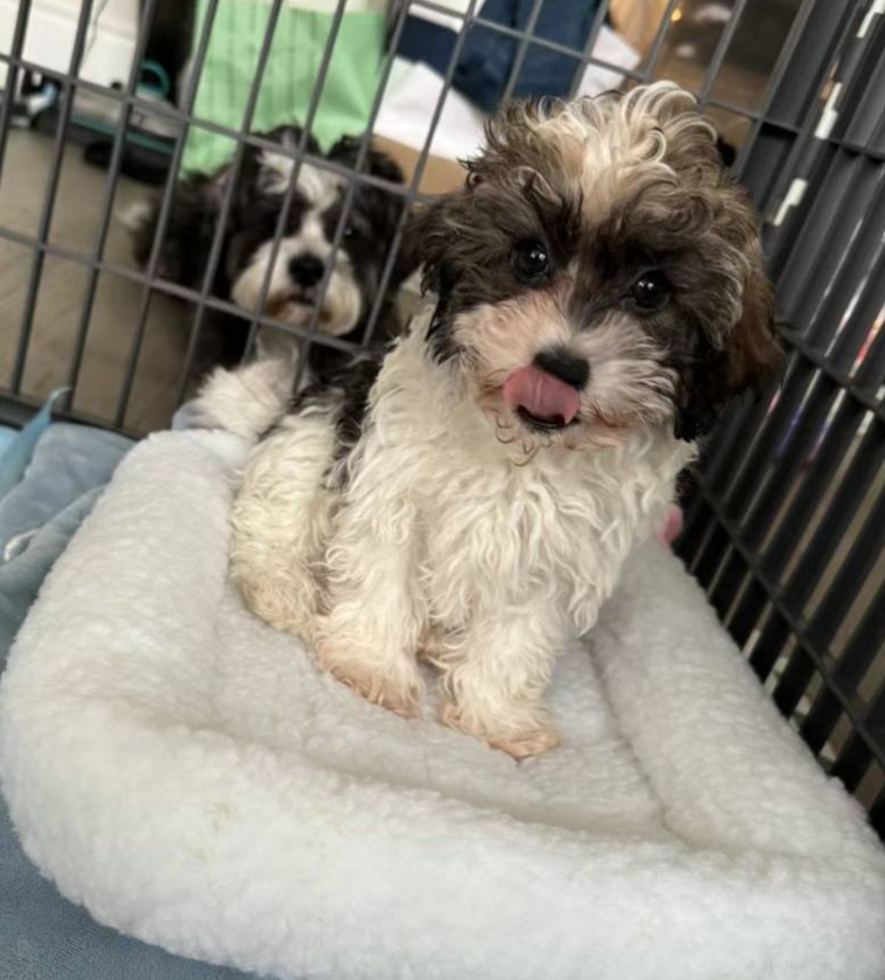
x=532, y=259
x=651, y=290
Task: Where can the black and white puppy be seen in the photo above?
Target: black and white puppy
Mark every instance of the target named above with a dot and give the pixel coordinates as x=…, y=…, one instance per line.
x=471, y=498
x=305, y=248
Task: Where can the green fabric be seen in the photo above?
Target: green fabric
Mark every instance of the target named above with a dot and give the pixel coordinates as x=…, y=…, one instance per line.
x=298, y=46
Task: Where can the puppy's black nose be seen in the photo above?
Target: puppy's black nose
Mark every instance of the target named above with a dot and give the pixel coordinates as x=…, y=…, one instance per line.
x=306, y=270
x=570, y=368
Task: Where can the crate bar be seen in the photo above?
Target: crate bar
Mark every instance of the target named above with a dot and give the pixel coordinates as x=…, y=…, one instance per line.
x=116, y=161
x=793, y=397
x=820, y=177
x=775, y=595
x=165, y=210
x=877, y=815
x=861, y=267
x=804, y=153
x=347, y=204
x=858, y=752
x=740, y=625
x=696, y=522
x=871, y=370
x=741, y=424
x=865, y=644
x=418, y=173
x=64, y=119
x=851, y=666
x=17, y=410
x=589, y=47
x=721, y=50
x=18, y=43
x=819, y=550
x=829, y=38
x=162, y=286
x=861, y=561
x=224, y=211
x=248, y=139
x=845, y=195
x=771, y=427
x=852, y=763
x=773, y=637
x=868, y=124
x=158, y=109
x=728, y=584
x=731, y=428
x=827, y=461
x=785, y=59
x=657, y=46
x=786, y=474
x=867, y=113
x=854, y=391
x=855, y=292
x=817, y=554
x=710, y=558
x=307, y=127
x=835, y=522
x=769, y=420
x=522, y=50
x=860, y=652
x=860, y=97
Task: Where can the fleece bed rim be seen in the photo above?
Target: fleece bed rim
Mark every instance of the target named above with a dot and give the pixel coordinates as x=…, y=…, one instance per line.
x=119, y=776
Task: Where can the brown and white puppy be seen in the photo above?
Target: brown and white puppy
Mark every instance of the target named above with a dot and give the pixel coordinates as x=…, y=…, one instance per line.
x=470, y=499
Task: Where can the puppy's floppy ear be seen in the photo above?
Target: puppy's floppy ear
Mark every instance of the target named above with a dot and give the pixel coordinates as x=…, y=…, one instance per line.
x=378, y=163
x=751, y=357
x=384, y=166
x=754, y=352
x=190, y=229
x=381, y=207
x=431, y=233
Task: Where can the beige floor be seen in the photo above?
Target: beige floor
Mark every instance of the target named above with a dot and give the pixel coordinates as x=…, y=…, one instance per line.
x=58, y=312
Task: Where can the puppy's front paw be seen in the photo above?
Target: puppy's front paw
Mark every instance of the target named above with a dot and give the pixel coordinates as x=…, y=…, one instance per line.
x=284, y=607
x=520, y=743
x=399, y=691
x=526, y=744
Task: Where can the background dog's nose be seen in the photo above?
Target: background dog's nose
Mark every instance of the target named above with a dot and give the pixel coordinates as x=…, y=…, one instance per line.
x=306, y=270
x=562, y=364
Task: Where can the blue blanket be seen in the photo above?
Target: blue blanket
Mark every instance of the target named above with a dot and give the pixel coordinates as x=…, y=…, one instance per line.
x=53, y=476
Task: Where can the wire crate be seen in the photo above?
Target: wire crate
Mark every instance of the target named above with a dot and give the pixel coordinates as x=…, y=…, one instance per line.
x=785, y=516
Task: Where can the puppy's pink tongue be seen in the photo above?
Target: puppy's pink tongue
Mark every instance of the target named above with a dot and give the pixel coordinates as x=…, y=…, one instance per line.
x=541, y=394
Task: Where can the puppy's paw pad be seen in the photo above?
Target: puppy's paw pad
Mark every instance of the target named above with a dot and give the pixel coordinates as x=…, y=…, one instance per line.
x=400, y=697
x=526, y=744
x=520, y=745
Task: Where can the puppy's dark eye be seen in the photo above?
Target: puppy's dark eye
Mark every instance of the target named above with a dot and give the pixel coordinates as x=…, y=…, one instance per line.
x=531, y=260
x=349, y=232
x=651, y=290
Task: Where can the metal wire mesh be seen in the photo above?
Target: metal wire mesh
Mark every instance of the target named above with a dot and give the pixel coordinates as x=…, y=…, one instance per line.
x=786, y=515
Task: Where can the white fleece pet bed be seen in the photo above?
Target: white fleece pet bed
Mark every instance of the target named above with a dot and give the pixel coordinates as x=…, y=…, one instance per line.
x=190, y=777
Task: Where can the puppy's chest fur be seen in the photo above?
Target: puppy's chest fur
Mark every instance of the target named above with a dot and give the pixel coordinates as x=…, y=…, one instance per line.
x=490, y=529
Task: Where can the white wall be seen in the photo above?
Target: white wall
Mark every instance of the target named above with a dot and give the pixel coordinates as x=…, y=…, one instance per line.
x=50, y=36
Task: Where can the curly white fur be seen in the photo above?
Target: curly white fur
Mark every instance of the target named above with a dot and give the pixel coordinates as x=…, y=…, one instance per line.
x=443, y=541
